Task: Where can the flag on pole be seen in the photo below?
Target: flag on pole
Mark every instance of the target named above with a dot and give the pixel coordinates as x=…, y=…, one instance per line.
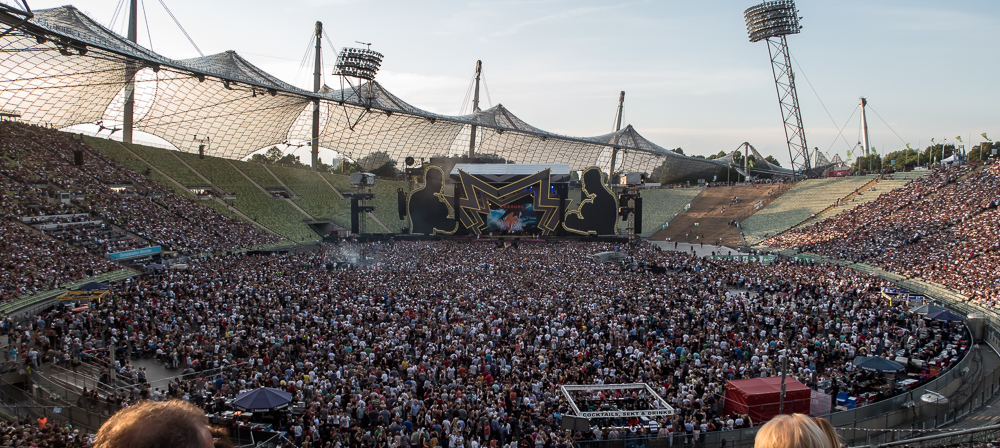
x=908, y=147
x=959, y=138
x=986, y=138
x=874, y=151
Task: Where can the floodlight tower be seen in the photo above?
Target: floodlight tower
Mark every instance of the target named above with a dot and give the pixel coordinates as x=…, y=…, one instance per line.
x=772, y=21
x=361, y=64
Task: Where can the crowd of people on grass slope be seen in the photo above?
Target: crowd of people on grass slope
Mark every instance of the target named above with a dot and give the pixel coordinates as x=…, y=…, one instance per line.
x=466, y=343
x=938, y=228
x=36, y=158
x=32, y=432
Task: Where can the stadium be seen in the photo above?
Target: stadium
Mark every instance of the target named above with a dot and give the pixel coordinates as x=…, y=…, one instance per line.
x=463, y=280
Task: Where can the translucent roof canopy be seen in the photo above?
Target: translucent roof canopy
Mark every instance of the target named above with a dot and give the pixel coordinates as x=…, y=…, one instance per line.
x=62, y=68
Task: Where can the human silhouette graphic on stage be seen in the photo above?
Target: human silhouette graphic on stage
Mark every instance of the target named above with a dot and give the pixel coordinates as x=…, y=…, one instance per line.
x=598, y=212
x=428, y=206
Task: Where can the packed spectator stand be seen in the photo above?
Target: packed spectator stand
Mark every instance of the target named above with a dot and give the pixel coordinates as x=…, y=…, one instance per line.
x=942, y=227
x=98, y=208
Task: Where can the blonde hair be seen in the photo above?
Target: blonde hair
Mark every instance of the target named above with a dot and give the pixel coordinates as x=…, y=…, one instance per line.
x=827, y=429
x=791, y=431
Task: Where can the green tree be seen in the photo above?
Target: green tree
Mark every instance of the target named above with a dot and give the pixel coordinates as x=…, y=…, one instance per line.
x=871, y=162
x=387, y=170
x=984, y=151
x=290, y=160
x=772, y=160
x=678, y=150
x=348, y=167
x=721, y=154
x=936, y=153
x=273, y=154
x=490, y=158
x=374, y=160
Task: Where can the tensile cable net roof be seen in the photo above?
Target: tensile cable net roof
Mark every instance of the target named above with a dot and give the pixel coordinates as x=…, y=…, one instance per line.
x=62, y=68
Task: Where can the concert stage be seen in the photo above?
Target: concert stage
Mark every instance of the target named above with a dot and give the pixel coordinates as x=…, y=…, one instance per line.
x=511, y=201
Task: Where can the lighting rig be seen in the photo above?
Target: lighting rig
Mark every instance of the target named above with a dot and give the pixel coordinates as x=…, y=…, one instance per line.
x=630, y=204
x=363, y=182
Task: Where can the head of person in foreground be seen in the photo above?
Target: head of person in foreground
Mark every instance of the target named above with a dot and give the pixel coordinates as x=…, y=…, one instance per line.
x=166, y=424
x=792, y=431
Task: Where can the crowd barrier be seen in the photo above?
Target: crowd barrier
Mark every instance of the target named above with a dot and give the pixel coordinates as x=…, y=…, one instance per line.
x=967, y=386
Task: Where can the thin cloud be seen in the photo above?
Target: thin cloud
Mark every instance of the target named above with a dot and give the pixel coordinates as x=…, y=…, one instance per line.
x=575, y=12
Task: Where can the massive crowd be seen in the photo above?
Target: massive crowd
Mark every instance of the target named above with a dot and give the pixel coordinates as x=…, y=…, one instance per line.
x=468, y=343
x=464, y=344
x=942, y=227
x=40, y=186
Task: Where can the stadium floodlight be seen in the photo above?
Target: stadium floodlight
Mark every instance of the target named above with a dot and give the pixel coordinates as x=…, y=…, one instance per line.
x=772, y=19
x=358, y=63
x=771, y=22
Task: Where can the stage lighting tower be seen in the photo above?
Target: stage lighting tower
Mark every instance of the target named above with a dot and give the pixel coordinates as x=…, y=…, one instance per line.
x=772, y=21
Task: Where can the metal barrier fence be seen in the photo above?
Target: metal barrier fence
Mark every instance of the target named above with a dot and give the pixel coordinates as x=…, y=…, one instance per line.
x=966, y=385
x=969, y=437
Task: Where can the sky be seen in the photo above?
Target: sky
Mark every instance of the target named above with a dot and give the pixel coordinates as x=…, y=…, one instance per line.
x=692, y=78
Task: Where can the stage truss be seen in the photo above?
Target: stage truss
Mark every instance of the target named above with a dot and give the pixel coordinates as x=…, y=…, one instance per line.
x=662, y=407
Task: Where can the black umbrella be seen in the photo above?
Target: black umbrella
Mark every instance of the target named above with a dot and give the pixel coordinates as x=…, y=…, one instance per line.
x=263, y=399
x=946, y=316
x=877, y=364
x=92, y=286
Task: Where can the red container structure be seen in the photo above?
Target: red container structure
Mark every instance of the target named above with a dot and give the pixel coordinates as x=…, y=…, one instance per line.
x=759, y=398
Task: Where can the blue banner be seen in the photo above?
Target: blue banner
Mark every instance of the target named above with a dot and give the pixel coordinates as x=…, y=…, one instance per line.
x=134, y=253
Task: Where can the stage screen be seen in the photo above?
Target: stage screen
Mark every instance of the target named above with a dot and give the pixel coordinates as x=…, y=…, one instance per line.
x=516, y=218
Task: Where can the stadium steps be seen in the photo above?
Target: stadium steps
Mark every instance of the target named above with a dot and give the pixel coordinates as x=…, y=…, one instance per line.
x=26, y=301
x=260, y=175
x=111, y=148
x=290, y=202
x=329, y=184
x=379, y=222
x=269, y=171
x=703, y=222
x=799, y=204
x=314, y=194
x=261, y=207
x=866, y=194
x=168, y=164
x=173, y=153
x=659, y=206
x=846, y=203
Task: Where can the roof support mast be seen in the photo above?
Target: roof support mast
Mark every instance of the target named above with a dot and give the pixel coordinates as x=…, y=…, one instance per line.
x=618, y=127
x=316, y=86
x=475, y=110
x=130, y=74
x=864, y=123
